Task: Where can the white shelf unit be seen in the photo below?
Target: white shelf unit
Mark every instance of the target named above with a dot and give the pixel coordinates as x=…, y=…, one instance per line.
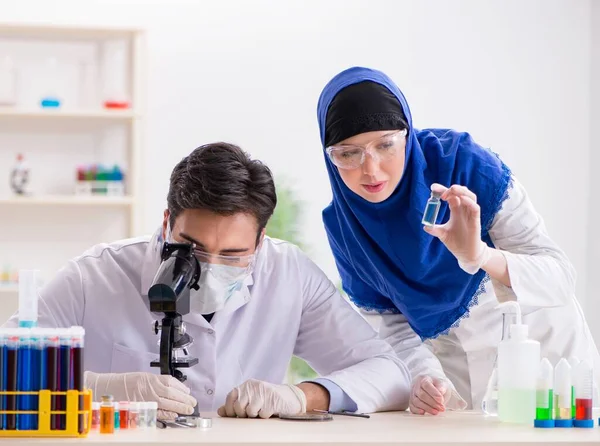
x=67, y=200
x=41, y=206
x=80, y=115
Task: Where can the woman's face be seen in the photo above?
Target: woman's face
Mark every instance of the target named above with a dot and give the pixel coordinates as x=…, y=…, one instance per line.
x=371, y=163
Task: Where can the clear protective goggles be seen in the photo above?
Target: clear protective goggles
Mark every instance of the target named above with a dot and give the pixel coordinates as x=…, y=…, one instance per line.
x=349, y=156
x=220, y=265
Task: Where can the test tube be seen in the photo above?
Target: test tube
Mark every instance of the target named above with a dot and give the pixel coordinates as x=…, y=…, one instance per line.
x=51, y=348
x=152, y=408
x=11, y=349
x=124, y=414
x=3, y=338
x=544, y=396
x=573, y=361
x=77, y=335
x=133, y=414
x=28, y=298
x=24, y=379
x=583, y=380
x=107, y=415
x=64, y=373
x=562, y=395
x=95, y=415
x=38, y=369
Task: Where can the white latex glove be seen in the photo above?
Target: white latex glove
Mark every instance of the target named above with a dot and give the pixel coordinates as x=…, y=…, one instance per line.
x=256, y=398
x=462, y=232
x=429, y=395
x=172, y=396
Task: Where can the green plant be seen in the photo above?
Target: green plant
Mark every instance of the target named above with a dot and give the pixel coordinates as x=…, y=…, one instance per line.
x=286, y=224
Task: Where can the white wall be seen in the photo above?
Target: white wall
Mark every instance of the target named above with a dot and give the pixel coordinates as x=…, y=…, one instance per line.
x=593, y=258
x=515, y=73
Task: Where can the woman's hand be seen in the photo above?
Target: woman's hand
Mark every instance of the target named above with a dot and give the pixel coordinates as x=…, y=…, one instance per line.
x=428, y=395
x=461, y=234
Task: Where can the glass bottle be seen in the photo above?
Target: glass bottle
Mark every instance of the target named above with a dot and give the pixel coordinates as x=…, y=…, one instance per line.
x=432, y=208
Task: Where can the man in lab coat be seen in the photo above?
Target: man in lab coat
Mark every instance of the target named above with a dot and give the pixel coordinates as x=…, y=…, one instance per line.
x=260, y=301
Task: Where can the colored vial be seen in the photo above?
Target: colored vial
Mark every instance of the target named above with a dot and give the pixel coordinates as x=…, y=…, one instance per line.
x=133, y=415
x=562, y=395
x=38, y=369
x=3, y=337
x=24, y=379
x=432, y=208
x=573, y=361
x=51, y=348
x=152, y=412
x=117, y=417
x=64, y=373
x=124, y=414
x=142, y=415
x=11, y=351
x=51, y=99
x=77, y=344
x=115, y=74
x=95, y=415
x=544, y=396
x=107, y=415
x=583, y=380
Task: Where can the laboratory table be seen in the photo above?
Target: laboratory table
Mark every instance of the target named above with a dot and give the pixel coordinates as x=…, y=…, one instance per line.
x=394, y=428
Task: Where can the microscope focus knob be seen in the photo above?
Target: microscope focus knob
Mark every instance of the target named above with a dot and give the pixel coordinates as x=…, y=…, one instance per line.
x=156, y=327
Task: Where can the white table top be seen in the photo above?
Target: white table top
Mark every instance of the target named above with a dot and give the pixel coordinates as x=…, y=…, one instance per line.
x=381, y=429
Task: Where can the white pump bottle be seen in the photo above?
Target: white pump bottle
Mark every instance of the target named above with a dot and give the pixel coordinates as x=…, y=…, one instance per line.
x=518, y=366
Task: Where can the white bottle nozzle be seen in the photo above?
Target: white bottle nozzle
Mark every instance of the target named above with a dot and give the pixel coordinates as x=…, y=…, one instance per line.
x=518, y=330
x=28, y=298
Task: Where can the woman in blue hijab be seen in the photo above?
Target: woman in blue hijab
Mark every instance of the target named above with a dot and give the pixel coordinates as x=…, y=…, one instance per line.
x=438, y=286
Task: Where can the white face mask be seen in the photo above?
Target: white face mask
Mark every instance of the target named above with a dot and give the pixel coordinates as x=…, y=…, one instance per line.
x=217, y=284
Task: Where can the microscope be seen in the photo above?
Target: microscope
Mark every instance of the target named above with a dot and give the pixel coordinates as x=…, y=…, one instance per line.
x=179, y=272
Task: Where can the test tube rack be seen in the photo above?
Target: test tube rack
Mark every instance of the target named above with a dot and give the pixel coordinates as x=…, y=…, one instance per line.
x=73, y=413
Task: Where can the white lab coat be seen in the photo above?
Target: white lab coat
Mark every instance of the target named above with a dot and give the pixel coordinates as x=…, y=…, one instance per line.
x=543, y=282
x=288, y=307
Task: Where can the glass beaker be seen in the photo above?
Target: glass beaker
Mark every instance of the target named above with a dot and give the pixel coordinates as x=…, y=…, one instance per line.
x=489, y=404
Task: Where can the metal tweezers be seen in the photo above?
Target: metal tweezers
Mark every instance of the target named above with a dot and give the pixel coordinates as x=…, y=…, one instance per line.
x=163, y=424
x=343, y=412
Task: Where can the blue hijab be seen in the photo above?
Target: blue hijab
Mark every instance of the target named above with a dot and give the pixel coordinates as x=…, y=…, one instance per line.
x=387, y=262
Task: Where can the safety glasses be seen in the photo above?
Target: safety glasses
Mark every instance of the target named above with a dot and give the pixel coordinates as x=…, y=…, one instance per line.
x=348, y=156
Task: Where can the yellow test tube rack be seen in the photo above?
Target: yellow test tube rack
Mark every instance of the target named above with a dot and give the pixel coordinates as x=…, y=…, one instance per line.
x=44, y=413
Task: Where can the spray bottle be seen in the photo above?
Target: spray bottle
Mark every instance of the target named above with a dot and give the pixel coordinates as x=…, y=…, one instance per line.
x=518, y=366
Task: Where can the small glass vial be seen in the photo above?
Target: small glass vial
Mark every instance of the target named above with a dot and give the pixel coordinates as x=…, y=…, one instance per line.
x=432, y=209
x=152, y=412
x=95, y=415
x=124, y=414
x=51, y=99
x=107, y=415
x=134, y=415
x=117, y=416
x=142, y=415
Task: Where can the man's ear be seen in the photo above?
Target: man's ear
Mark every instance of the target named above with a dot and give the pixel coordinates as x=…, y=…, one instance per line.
x=165, y=224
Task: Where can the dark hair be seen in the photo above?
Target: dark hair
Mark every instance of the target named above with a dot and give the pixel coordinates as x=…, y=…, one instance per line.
x=223, y=179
